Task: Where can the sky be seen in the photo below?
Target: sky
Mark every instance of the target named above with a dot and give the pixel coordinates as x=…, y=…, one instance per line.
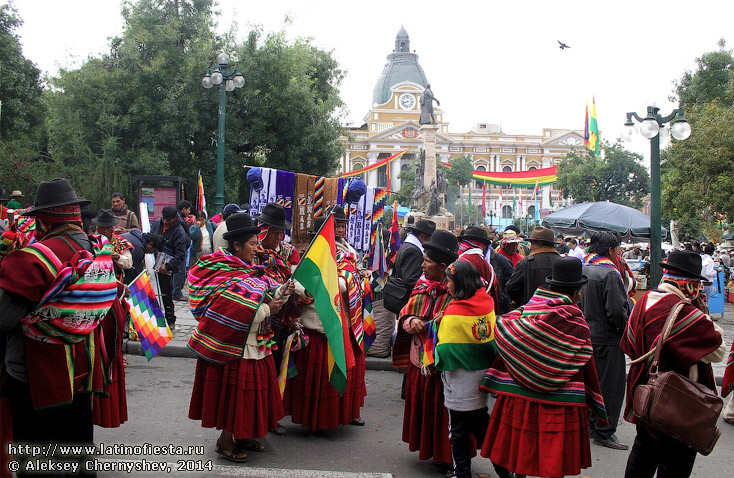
x=487, y=61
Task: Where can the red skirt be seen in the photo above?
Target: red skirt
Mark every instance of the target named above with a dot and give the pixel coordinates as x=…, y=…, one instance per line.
x=425, y=418
x=538, y=439
x=111, y=411
x=241, y=397
x=311, y=400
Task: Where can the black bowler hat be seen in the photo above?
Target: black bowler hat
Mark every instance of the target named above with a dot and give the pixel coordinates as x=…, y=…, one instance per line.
x=105, y=218
x=424, y=226
x=685, y=262
x=2, y=195
x=477, y=234
x=317, y=223
x=54, y=193
x=338, y=212
x=567, y=272
x=239, y=224
x=274, y=215
x=442, y=247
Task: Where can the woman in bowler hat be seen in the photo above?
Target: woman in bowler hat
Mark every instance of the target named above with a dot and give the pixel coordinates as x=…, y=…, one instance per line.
x=545, y=362
x=425, y=418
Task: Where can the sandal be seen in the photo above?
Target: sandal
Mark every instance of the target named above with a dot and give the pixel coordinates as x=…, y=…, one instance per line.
x=250, y=445
x=236, y=454
x=730, y=421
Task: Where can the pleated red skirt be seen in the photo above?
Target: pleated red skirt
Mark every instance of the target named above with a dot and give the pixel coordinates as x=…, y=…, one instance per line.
x=111, y=411
x=538, y=439
x=311, y=400
x=425, y=418
x=241, y=397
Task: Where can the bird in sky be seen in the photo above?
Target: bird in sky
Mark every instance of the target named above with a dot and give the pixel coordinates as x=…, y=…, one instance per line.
x=562, y=45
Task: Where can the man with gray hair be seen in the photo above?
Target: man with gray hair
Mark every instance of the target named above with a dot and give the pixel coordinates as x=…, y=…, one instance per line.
x=604, y=303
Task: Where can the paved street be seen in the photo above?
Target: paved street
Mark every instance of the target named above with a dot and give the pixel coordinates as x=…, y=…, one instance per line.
x=158, y=396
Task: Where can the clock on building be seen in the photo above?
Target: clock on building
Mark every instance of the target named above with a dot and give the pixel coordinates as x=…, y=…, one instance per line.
x=407, y=101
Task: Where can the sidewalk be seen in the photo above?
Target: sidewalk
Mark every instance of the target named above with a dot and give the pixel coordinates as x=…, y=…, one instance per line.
x=185, y=325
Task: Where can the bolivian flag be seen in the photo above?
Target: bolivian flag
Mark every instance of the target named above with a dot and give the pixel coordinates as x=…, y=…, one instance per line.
x=317, y=273
x=466, y=334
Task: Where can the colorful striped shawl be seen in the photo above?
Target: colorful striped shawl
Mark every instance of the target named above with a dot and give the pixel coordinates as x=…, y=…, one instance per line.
x=79, y=297
x=426, y=300
x=594, y=259
x=545, y=354
x=224, y=295
x=545, y=342
x=466, y=334
x=691, y=338
x=346, y=263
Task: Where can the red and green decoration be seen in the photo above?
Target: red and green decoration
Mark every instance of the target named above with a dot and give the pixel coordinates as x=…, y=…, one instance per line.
x=516, y=179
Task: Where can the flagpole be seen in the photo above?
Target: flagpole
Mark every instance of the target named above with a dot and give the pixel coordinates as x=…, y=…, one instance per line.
x=305, y=253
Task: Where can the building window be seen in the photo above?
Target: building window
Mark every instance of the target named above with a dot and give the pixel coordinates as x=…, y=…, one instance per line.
x=507, y=169
x=531, y=211
x=531, y=168
x=382, y=176
x=479, y=183
x=506, y=212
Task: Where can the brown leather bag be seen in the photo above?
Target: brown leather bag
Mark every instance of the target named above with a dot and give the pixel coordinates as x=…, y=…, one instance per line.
x=677, y=406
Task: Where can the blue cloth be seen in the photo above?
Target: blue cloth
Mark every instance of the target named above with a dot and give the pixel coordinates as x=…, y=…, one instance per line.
x=174, y=243
x=195, y=233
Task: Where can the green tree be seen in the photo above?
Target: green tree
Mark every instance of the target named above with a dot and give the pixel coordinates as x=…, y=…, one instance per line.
x=23, y=109
x=618, y=177
x=460, y=173
x=713, y=80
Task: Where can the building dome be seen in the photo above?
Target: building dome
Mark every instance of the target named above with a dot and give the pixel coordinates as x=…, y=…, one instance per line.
x=402, y=65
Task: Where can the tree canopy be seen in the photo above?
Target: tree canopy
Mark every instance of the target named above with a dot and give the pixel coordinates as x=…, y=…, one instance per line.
x=698, y=173
x=618, y=177
x=140, y=108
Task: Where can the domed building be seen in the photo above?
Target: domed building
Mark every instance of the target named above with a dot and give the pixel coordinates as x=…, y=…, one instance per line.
x=391, y=126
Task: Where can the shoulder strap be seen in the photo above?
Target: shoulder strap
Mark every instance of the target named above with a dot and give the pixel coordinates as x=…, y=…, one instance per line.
x=664, y=336
x=128, y=218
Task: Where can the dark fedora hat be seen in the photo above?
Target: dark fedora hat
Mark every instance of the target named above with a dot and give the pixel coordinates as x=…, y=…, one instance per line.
x=2, y=195
x=105, y=218
x=239, y=224
x=54, y=193
x=475, y=233
x=442, y=246
x=567, y=272
x=684, y=262
x=542, y=234
x=274, y=215
x=424, y=226
x=338, y=212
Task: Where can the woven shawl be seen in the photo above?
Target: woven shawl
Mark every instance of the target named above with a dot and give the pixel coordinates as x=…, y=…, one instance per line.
x=691, y=338
x=545, y=354
x=79, y=297
x=224, y=295
x=346, y=263
x=426, y=300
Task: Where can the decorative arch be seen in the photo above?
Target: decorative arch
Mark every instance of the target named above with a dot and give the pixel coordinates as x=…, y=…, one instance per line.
x=506, y=212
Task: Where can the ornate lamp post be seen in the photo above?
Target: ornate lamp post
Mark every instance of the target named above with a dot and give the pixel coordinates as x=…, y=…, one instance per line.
x=491, y=218
x=228, y=80
x=650, y=128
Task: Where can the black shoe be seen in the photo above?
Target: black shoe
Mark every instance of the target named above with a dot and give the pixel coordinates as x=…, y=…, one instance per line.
x=358, y=422
x=180, y=299
x=611, y=442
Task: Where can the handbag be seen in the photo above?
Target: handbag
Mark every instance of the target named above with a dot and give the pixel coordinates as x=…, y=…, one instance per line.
x=395, y=294
x=675, y=405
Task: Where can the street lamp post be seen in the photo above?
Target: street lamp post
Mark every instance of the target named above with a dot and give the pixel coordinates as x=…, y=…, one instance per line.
x=228, y=80
x=491, y=218
x=650, y=129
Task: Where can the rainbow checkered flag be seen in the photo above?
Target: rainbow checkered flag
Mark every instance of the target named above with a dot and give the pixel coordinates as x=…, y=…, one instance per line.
x=147, y=316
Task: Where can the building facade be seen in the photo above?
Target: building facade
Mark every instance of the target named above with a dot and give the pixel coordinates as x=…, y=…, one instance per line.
x=391, y=126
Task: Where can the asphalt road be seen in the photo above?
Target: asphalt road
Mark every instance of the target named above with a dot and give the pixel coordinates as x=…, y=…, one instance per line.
x=158, y=398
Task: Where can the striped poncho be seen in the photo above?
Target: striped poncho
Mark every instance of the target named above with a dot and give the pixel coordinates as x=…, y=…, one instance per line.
x=346, y=263
x=426, y=300
x=224, y=295
x=545, y=354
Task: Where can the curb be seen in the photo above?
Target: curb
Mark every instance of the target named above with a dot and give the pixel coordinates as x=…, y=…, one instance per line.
x=180, y=350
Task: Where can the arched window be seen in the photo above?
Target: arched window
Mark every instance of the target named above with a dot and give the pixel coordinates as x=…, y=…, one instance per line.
x=357, y=166
x=506, y=212
x=507, y=169
x=531, y=211
x=531, y=168
x=479, y=183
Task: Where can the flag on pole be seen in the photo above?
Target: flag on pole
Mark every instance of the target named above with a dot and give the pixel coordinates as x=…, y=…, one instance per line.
x=469, y=208
x=387, y=173
x=499, y=203
x=317, y=272
x=200, y=199
x=484, y=199
x=394, y=236
x=295, y=341
x=522, y=193
x=147, y=317
x=536, y=190
x=593, y=130
x=537, y=209
x=587, y=143
x=514, y=204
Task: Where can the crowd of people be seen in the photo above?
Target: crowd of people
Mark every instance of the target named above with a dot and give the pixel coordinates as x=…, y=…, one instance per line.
x=539, y=325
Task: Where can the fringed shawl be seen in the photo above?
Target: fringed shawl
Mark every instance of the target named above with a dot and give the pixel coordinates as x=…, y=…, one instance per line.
x=426, y=300
x=545, y=354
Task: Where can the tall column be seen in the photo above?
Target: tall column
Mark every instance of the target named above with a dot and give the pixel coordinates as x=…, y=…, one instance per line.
x=428, y=131
x=371, y=178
